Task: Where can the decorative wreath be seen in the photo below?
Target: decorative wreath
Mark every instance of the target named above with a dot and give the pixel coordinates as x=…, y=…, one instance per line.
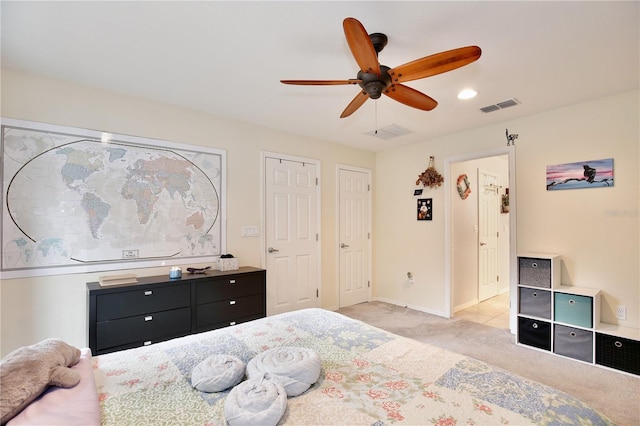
x=430, y=177
x=463, y=186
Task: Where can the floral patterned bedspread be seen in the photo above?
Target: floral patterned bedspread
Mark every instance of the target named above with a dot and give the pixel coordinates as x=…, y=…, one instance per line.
x=369, y=377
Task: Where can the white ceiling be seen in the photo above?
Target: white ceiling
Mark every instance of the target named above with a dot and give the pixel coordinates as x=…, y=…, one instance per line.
x=227, y=58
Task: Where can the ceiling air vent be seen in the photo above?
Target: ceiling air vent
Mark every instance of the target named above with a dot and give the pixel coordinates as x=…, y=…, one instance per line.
x=389, y=132
x=500, y=105
x=490, y=108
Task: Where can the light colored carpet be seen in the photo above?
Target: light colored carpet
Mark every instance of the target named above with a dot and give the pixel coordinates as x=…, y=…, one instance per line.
x=614, y=394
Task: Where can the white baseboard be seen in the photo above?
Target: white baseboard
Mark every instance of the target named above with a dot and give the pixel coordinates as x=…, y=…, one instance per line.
x=465, y=305
x=414, y=307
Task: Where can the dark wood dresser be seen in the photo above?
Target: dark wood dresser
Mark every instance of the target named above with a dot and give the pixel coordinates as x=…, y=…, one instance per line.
x=159, y=308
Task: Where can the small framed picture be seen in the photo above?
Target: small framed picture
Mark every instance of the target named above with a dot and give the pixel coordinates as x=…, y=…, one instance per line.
x=425, y=209
x=417, y=192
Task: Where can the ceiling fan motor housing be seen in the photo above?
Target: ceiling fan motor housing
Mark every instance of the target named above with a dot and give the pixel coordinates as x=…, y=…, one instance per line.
x=374, y=85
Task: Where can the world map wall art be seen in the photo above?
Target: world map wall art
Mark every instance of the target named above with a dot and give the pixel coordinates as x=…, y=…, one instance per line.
x=78, y=200
x=581, y=174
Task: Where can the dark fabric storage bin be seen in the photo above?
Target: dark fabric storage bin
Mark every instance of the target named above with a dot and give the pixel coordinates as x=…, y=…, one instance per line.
x=534, y=333
x=534, y=302
x=534, y=272
x=573, y=342
x=618, y=352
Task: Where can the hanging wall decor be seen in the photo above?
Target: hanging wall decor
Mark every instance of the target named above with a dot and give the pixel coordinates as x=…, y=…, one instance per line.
x=581, y=174
x=425, y=209
x=504, y=205
x=79, y=200
x=430, y=177
x=464, y=188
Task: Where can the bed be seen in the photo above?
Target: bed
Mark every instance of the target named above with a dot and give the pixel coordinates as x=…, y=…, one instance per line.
x=368, y=377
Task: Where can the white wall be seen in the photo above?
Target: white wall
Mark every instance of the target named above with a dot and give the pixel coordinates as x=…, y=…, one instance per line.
x=55, y=306
x=595, y=230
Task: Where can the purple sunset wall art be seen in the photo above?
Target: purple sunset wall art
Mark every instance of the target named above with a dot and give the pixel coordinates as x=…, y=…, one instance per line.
x=581, y=174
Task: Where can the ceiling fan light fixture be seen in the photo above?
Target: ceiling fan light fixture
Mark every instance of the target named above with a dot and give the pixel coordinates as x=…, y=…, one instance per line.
x=467, y=94
x=375, y=79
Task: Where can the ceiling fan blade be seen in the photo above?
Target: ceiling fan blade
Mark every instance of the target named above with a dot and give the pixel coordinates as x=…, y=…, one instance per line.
x=356, y=103
x=435, y=64
x=321, y=82
x=411, y=97
x=361, y=47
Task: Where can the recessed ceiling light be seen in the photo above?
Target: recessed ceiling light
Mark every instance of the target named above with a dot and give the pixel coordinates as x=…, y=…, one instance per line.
x=467, y=94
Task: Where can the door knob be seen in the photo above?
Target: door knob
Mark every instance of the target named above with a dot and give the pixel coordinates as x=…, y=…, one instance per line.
x=483, y=244
x=343, y=245
x=272, y=250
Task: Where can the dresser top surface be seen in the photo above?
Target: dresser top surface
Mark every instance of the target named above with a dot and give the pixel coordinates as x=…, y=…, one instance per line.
x=164, y=279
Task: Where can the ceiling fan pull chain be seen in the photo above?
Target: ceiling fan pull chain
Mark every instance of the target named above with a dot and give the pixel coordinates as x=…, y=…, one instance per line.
x=376, y=118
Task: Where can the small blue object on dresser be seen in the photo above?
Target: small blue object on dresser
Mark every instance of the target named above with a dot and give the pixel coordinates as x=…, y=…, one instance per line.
x=175, y=272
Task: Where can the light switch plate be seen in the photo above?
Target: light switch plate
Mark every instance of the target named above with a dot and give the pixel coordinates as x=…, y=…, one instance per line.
x=250, y=231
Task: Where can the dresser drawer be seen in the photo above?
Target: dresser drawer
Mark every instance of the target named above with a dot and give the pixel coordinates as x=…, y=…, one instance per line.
x=534, y=272
x=618, y=352
x=573, y=342
x=534, y=333
x=227, y=311
x=573, y=309
x=143, y=328
x=234, y=286
x=142, y=301
x=535, y=302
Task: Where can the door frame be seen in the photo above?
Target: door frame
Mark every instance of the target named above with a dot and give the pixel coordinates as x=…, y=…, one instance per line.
x=448, y=226
x=368, y=172
x=263, y=208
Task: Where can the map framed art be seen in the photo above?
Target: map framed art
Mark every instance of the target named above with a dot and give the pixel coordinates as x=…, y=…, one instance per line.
x=77, y=200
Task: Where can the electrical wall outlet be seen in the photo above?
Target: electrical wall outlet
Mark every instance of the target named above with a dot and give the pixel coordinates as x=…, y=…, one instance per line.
x=621, y=312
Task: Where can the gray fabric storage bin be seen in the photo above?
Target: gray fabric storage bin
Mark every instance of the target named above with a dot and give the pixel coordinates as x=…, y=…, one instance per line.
x=534, y=272
x=573, y=342
x=535, y=302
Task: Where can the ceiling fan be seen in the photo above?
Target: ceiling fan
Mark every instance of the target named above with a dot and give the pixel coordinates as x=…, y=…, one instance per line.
x=376, y=79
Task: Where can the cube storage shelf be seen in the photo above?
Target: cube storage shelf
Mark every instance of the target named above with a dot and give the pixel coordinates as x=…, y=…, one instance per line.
x=565, y=320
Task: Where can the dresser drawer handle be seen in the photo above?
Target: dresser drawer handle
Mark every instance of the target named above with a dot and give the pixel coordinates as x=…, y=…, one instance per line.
x=572, y=302
x=534, y=265
x=148, y=318
x=232, y=281
x=232, y=323
x=232, y=302
x=148, y=292
x=147, y=343
x=534, y=294
x=618, y=344
x=534, y=325
x=572, y=334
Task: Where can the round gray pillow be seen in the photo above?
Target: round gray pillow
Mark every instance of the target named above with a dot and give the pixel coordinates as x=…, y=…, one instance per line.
x=217, y=373
x=255, y=402
x=294, y=368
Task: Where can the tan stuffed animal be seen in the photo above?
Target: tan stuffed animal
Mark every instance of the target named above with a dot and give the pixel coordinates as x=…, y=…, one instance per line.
x=27, y=372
